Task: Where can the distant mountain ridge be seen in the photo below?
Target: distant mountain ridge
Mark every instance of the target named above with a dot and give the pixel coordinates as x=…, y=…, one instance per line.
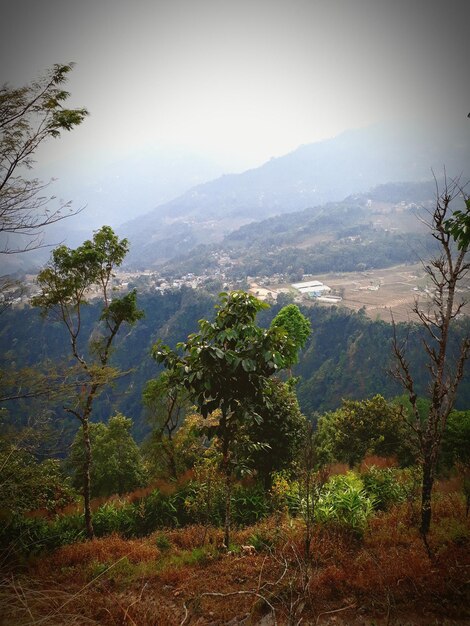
x=313, y=174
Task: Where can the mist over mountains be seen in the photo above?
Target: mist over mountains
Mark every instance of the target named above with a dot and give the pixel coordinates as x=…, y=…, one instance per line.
x=189, y=211
x=314, y=174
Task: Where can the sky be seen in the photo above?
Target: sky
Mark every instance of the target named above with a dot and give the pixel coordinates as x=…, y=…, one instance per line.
x=240, y=81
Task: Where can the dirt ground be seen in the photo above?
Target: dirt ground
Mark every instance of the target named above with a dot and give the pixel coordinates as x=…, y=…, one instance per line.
x=387, y=292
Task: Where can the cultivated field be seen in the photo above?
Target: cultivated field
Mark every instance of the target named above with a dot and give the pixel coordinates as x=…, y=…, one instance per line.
x=387, y=291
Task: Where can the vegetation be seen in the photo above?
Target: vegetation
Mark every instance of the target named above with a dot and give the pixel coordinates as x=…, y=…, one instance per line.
x=266, y=455
x=69, y=278
x=226, y=366
x=29, y=116
x=445, y=271
x=117, y=464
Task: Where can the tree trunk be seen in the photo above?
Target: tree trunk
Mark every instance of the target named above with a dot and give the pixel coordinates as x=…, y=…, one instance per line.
x=428, y=482
x=228, y=497
x=170, y=455
x=227, y=471
x=87, y=479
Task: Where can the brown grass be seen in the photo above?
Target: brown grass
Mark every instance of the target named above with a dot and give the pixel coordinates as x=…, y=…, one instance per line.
x=385, y=578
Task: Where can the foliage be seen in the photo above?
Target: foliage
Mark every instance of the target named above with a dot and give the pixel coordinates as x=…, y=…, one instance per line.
x=205, y=502
x=226, y=366
x=29, y=116
x=166, y=405
x=360, y=427
x=65, y=283
x=384, y=487
x=345, y=502
x=456, y=439
x=297, y=327
x=281, y=430
x=458, y=226
x=117, y=465
x=27, y=482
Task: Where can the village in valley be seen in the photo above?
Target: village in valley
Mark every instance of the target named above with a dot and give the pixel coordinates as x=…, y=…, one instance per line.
x=379, y=293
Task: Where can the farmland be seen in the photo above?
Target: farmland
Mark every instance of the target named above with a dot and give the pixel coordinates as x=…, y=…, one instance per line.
x=386, y=292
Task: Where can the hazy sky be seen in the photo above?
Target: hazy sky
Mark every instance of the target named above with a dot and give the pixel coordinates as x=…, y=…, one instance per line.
x=243, y=80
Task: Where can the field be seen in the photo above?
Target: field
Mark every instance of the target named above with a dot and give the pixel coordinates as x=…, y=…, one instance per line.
x=387, y=292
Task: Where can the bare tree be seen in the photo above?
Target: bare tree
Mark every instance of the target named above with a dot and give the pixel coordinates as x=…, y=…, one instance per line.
x=445, y=271
x=29, y=116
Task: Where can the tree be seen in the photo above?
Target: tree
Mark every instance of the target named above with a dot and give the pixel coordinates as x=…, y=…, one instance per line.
x=282, y=430
x=360, y=427
x=445, y=271
x=29, y=116
x=26, y=481
x=167, y=404
x=117, y=464
x=298, y=328
x=226, y=366
x=71, y=277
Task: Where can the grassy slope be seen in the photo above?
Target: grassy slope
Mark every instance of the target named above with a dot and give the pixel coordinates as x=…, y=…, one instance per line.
x=383, y=578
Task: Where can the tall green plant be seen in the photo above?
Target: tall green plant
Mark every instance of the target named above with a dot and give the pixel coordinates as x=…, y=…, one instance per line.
x=70, y=277
x=226, y=366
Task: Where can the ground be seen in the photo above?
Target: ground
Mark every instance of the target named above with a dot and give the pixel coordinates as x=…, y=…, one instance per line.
x=383, y=292
x=183, y=577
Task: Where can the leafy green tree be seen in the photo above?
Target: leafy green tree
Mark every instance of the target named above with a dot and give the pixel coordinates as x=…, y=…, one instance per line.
x=282, y=430
x=167, y=405
x=71, y=277
x=360, y=427
x=298, y=328
x=456, y=440
x=29, y=116
x=117, y=463
x=226, y=366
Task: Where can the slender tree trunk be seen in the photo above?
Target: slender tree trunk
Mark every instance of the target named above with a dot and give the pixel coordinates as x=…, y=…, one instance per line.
x=228, y=497
x=87, y=479
x=227, y=470
x=170, y=455
x=426, y=493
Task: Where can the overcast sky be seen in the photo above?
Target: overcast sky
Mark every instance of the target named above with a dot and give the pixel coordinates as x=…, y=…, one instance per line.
x=242, y=80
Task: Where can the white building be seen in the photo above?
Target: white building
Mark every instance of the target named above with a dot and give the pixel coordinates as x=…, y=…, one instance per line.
x=312, y=288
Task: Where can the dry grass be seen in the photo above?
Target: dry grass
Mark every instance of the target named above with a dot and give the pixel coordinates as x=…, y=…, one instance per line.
x=385, y=578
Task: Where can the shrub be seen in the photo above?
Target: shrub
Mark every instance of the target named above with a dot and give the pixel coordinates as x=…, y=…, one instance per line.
x=162, y=542
x=383, y=486
x=344, y=502
x=249, y=505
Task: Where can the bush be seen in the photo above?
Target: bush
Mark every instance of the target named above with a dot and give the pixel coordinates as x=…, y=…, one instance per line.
x=249, y=505
x=20, y=535
x=345, y=502
x=383, y=486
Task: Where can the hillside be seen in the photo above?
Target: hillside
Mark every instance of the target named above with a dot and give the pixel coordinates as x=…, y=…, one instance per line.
x=347, y=355
x=312, y=175
x=379, y=228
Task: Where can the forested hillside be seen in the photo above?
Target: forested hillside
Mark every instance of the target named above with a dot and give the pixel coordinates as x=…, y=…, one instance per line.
x=371, y=230
x=310, y=176
x=347, y=355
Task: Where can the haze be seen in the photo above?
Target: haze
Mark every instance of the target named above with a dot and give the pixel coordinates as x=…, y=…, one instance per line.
x=241, y=81
x=182, y=91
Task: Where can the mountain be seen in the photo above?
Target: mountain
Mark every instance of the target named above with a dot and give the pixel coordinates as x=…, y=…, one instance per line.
x=383, y=227
x=312, y=175
x=109, y=191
